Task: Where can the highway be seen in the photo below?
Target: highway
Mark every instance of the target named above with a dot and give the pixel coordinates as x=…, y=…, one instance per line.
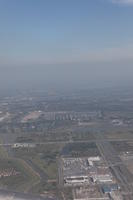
x=73, y=141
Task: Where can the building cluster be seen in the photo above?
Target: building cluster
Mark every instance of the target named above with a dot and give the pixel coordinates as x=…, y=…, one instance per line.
x=4, y=116
x=61, y=116
x=23, y=145
x=8, y=172
x=85, y=170
x=72, y=116
x=87, y=175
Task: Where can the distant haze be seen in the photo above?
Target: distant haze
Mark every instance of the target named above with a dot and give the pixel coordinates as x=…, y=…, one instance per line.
x=71, y=76
x=71, y=44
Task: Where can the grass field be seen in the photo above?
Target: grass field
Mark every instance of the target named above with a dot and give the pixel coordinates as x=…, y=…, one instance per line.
x=20, y=182
x=43, y=159
x=43, y=156
x=25, y=178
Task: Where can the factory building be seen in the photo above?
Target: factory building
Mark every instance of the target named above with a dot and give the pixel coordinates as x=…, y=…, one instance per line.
x=110, y=188
x=76, y=180
x=102, y=178
x=23, y=145
x=94, y=159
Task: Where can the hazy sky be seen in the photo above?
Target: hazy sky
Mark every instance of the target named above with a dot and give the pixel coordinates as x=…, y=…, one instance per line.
x=53, y=40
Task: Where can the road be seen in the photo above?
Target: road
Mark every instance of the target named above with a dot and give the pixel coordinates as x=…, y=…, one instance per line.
x=7, y=194
x=74, y=141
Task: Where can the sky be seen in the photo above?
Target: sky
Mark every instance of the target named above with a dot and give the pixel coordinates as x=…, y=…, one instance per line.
x=74, y=42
